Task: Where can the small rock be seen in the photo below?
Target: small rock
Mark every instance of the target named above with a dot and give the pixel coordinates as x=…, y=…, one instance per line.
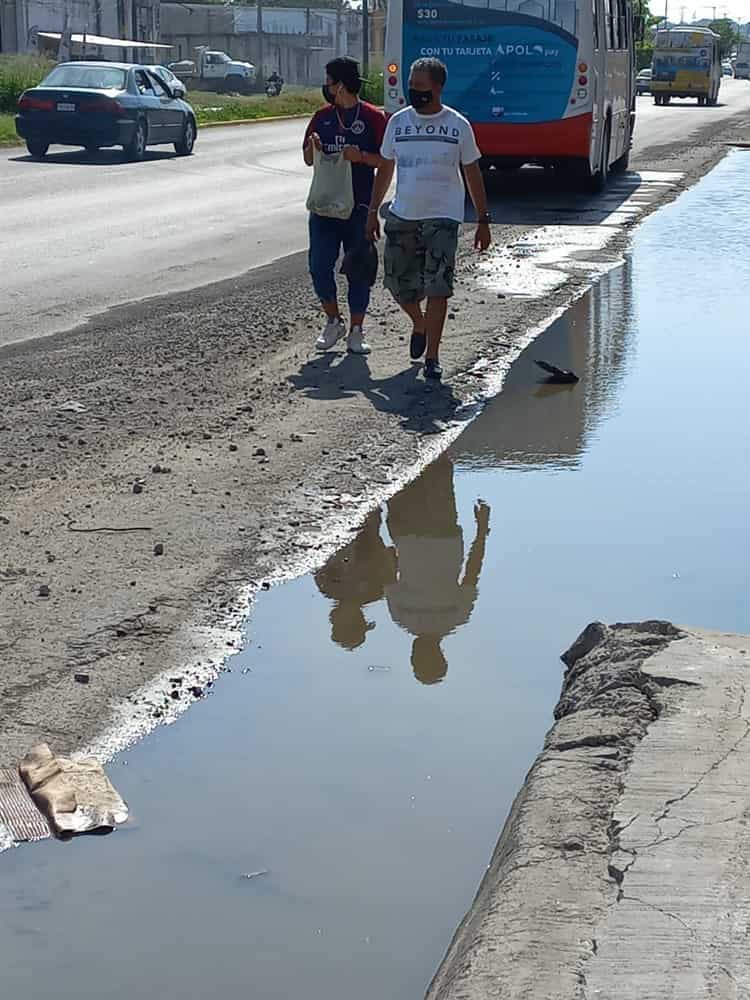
x=44, y=590
x=81, y=678
x=259, y=453
x=156, y=468
x=174, y=695
x=158, y=549
x=265, y=585
x=206, y=436
x=196, y=692
x=297, y=438
x=233, y=447
x=137, y=488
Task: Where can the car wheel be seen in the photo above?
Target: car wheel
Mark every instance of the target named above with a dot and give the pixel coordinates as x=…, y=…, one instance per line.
x=37, y=148
x=185, y=146
x=136, y=148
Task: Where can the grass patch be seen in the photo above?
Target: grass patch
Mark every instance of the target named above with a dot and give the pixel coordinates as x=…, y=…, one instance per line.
x=18, y=73
x=211, y=107
x=373, y=89
x=8, y=135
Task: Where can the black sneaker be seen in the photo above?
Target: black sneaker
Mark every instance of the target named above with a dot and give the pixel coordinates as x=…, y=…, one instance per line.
x=417, y=345
x=432, y=369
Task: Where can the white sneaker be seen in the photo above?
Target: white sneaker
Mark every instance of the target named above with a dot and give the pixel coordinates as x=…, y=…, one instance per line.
x=332, y=333
x=356, y=343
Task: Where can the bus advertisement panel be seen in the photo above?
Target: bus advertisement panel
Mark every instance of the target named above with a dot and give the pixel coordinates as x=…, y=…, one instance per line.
x=504, y=66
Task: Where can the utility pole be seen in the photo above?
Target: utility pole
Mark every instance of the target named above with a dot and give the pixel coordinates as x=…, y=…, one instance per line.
x=365, y=37
x=64, y=49
x=337, y=45
x=307, y=46
x=259, y=29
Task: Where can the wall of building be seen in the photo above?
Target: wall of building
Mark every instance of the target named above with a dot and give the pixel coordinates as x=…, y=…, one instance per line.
x=296, y=42
x=20, y=20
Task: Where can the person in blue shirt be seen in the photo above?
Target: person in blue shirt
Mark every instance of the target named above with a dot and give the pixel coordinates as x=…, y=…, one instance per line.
x=354, y=128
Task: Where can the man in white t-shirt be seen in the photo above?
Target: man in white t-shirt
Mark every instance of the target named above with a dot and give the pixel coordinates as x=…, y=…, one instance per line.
x=429, y=144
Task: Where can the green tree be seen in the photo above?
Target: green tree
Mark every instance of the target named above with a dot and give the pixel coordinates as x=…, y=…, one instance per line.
x=644, y=49
x=727, y=31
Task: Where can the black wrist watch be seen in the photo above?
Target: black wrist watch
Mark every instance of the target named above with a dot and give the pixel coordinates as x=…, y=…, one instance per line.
x=484, y=219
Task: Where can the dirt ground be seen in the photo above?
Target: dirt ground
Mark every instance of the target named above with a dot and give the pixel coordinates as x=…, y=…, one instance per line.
x=162, y=462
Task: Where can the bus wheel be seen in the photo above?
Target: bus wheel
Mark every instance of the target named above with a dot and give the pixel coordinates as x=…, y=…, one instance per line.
x=596, y=182
x=621, y=165
x=701, y=102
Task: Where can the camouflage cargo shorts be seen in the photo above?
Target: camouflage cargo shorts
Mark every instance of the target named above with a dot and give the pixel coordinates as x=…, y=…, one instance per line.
x=420, y=258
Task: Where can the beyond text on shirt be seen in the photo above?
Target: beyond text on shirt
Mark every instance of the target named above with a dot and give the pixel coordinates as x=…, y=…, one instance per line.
x=429, y=151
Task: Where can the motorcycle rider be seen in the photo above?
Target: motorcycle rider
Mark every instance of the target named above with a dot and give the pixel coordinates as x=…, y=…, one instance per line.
x=275, y=81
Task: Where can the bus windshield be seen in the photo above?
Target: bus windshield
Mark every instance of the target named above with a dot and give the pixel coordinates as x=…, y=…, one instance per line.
x=509, y=60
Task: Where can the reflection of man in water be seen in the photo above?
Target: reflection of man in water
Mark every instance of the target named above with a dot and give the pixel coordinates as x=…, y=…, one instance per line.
x=427, y=599
x=353, y=578
x=419, y=576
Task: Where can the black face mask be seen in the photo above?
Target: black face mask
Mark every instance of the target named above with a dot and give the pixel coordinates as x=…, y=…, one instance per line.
x=419, y=98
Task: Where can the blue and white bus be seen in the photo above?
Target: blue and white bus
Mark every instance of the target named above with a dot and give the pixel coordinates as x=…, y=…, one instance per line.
x=550, y=82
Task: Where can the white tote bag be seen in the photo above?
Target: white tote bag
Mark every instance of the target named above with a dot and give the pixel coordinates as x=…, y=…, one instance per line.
x=331, y=193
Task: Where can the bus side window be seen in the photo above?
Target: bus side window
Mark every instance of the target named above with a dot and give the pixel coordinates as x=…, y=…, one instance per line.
x=610, y=21
x=622, y=12
x=595, y=6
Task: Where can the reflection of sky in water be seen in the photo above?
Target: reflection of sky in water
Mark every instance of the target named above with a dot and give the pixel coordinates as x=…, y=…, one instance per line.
x=331, y=756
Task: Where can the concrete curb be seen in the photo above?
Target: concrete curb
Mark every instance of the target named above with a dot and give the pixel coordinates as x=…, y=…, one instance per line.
x=257, y=121
x=253, y=121
x=623, y=869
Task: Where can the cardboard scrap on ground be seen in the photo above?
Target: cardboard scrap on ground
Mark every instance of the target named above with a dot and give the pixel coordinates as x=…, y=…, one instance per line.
x=75, y=796
x=20, y=820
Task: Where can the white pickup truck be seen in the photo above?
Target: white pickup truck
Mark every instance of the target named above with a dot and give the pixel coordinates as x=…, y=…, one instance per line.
x=216, y=71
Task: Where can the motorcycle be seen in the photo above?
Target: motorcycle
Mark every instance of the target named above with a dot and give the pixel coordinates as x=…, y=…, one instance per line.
x=273, y=88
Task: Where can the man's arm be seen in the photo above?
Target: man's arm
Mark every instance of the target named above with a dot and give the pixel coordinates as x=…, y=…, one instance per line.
x=476, y=555
x=355, y=155
x=383, y=179
x=311, y=141
x=478, y=195
x=311, y=144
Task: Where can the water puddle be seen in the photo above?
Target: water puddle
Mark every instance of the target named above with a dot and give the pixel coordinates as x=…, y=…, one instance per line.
x=319, y=824
x=541, y=260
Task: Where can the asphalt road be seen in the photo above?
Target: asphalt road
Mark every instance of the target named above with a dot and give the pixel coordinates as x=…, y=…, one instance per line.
x=82, y=233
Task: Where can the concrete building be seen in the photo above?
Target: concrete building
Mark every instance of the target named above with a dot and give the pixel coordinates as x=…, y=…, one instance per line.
x=296, y=41
x=22, y=20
